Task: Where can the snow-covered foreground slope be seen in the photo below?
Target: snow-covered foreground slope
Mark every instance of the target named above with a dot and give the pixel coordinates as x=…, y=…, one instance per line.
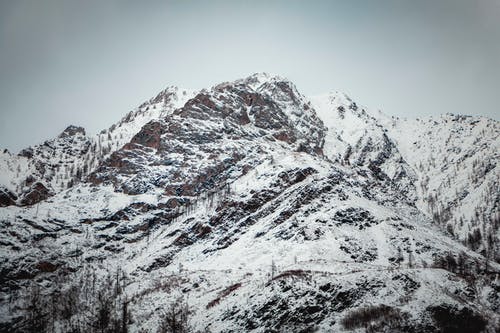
x=248, y=207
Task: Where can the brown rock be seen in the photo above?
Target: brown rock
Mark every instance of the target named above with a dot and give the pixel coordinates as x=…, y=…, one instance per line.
x=7, y=198
x=38, y=192
x=46, y=267
x=149, y=136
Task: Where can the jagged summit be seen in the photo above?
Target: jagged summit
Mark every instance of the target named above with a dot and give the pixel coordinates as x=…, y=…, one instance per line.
x=164, y=96
x=209, y=136
x=260, y=78
x=255, y=81
x=72, y=131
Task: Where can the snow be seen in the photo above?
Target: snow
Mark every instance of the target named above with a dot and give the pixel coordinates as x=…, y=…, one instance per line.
x=117, y=230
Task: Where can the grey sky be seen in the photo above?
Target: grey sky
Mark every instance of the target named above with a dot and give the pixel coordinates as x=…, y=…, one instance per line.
x=89, y=62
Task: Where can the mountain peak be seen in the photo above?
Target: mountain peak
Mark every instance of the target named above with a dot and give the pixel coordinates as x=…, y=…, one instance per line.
x=257, y=80
x=72, y=130
x=165, y=95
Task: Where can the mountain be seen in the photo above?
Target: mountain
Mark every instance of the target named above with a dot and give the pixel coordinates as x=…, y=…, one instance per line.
x=251, y=207
x=451, y=160
x=39, y=172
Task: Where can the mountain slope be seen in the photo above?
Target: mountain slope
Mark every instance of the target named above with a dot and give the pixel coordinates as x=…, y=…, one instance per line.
x=456, y=158
x=449, y=163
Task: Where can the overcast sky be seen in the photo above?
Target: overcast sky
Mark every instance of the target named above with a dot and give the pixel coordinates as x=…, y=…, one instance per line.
x=89, y=62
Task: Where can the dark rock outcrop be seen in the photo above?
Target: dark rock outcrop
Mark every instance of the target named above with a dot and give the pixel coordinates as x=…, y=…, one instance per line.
x=38, y=192
x=7, y=198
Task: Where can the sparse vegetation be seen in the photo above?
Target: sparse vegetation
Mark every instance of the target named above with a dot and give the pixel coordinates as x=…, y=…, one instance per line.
x=454, y=320
x=371, y=317
x=175, y=318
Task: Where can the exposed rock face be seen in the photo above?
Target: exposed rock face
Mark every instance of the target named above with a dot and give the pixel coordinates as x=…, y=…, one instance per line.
x=149, y=136
x=212, y=139
x=72, y=131
x=7, y=198
x=38, y=172
x=37, y=192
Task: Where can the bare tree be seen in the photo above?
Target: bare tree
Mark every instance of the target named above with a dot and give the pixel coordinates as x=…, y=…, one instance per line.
x=175, y=319
x=37, y=313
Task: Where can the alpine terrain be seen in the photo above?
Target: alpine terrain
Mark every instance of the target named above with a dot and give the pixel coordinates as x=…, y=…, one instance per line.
x=249, y=207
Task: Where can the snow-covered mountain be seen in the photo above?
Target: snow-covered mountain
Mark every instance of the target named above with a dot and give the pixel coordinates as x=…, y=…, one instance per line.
x=39, y=172
x=450, y=163
x=251, y=207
